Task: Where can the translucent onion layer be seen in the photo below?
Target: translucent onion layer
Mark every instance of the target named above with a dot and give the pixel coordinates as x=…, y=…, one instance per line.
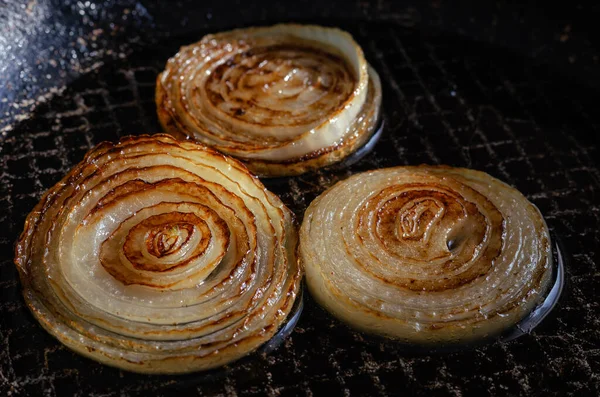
x=284, y=99
x=159, y=256
x=426, y=254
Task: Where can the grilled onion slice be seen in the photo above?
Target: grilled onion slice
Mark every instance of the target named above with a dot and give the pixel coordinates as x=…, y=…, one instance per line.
x=426, y=254
x=159, y=256
x=285, y=99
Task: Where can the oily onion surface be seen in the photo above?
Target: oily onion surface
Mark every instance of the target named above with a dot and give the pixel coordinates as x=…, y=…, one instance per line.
x=159, y=256
x=285, y=99
x=426, y=254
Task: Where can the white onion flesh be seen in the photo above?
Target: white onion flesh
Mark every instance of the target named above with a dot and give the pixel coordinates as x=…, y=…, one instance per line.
x=159, y=256
x=426, y=254
x=280, y=98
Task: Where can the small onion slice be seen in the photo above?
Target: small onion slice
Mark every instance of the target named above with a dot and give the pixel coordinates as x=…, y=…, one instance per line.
x=284, y=99
x=159, y=256
x=426, y=254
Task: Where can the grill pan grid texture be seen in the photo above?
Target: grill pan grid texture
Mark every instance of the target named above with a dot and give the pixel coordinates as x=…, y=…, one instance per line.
x=446, y=101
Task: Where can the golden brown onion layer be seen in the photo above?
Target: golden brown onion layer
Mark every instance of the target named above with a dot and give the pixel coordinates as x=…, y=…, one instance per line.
x=159, y=256
x=284, y=99
x=426, y=254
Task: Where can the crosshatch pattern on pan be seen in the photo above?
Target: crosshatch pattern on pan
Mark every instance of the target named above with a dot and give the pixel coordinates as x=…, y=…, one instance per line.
x=445, y=101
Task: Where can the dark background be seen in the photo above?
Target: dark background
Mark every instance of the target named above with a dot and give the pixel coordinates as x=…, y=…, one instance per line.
x=509, y=89
x=76, y=34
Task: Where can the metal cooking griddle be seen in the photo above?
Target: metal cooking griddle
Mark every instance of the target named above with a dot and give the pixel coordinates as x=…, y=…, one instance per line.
x=446, y=100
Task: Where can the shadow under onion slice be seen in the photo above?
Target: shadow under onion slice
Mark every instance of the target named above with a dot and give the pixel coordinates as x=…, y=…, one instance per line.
x=159, y=256
x=426, y=255
x=284, y=99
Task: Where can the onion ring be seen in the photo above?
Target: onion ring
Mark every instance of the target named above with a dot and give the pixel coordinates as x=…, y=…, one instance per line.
x=159, y=256
x=426, y=254
x=284, y=99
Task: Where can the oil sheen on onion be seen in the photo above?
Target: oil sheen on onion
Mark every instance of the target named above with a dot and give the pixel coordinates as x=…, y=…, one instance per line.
x=284, y=99
x=426, y=254
x=159, y=256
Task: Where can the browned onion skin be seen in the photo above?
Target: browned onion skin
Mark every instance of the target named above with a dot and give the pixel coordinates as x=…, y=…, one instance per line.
x=282, y=104
x=426, y=254
x=159, y=256
x=360, y=133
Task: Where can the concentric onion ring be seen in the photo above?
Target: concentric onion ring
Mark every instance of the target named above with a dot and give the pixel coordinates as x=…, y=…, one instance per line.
x=159, y=256
x=284, y=99
x=426, y=254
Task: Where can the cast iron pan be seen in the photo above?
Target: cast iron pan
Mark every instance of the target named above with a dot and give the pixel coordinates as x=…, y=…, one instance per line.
x=77, y=73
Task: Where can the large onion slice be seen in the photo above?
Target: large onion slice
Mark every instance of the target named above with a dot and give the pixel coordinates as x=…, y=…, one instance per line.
x=284, y=99
x=426, y=254
x=159, y=256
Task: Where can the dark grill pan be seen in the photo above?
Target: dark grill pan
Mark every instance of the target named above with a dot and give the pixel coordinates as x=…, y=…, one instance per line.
x=78, y=73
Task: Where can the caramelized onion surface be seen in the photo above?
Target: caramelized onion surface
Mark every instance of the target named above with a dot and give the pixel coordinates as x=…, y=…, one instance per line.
x=284, y=99
x=159, y=256
x=426, y=254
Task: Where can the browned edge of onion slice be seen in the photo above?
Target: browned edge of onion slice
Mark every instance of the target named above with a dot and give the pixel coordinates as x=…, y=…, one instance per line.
x=426, y=255
x=331, y=155
x=284, y=99
x=159, y=256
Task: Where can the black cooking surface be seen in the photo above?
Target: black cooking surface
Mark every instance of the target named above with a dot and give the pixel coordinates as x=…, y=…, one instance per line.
x=446, y=100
